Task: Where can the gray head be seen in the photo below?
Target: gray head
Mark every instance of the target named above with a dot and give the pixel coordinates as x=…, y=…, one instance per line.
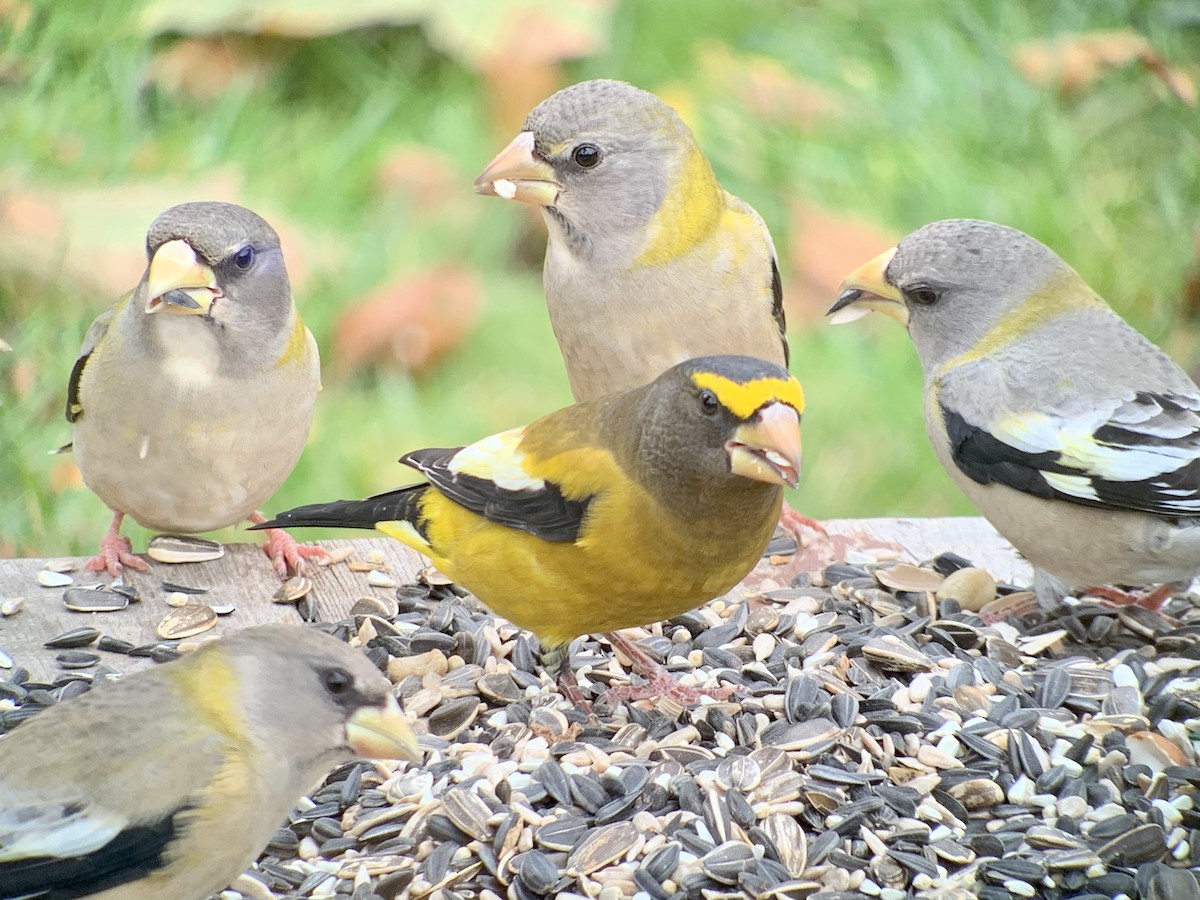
x=956, y=280
x=300, y=696
x=335, y=702
x=218, y=266
x=711, y=430
x=600, y=157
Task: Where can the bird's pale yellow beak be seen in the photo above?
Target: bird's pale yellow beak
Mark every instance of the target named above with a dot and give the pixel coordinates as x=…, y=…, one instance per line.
x=767, y=448
x=866, y=290
x=179, y=282
x=382, y=732
x=517, y=174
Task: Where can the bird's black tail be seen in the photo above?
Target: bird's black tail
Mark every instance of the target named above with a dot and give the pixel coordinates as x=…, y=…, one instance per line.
x=393, y=506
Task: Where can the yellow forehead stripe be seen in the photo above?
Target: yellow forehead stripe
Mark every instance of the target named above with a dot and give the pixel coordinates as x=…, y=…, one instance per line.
x=744, y=399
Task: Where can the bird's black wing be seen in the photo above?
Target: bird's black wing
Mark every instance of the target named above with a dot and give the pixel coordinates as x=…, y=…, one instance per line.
x=130, y=855
x=777, y=309
x=95, y=333
x=490, y=479
x=1138, y=453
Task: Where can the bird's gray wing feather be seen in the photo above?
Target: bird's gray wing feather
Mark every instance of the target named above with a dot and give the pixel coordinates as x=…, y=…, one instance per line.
x=1107, y=419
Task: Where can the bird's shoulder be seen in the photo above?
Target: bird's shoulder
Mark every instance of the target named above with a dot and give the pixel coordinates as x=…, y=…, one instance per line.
x=92, y=341
x=539, y=479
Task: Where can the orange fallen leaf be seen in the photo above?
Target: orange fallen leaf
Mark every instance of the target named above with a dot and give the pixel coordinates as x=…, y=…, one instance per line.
x=23, y=376
x=64, y=475
x=421, y=175
x=411, y=322
x=468, y=30
x=515, y=86
x=824, y=247
x=17, y=14
x=763, y=85
x=1071, y=63
x=205, y=67
x=93, y=237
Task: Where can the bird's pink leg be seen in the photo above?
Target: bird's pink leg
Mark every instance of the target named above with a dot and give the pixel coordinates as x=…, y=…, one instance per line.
x=659, y=681
x=796, y=525
x=285, y=554
x=116, y=551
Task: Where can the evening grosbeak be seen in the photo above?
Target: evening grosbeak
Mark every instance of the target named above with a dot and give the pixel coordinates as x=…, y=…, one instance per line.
x=169, y=782
x=649, y=261
x=612, y=513
x=1076, y=437
x=192, y=398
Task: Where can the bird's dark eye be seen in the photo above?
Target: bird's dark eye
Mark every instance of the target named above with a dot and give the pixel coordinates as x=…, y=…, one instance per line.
x=586, y=155
x=922, y=295
x=336, y=681
x=244, y=258
x=709, y=403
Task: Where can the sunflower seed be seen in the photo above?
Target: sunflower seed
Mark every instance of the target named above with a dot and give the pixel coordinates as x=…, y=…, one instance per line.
x=381, y=579
x=77, y=659
x=292, y=590
x=905, y=577
x=179, y=548
x=186, y=621
x=563, y=833
x=384, y=607
x=468, y=812
x=453, y=716
x=602, y=846
x=537, y=872
x=47, y=578
x=76, y=637
x=90, y=600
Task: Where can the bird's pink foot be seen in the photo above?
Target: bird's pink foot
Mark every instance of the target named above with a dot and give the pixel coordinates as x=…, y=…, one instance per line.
x=116, y=552
x=801, y=528
x=659, y=683
x=663, y=685
x=283, y=551
x=570, y=688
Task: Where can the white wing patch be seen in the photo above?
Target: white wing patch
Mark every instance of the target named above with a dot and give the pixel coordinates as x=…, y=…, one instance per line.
x=55, y=831
x=497, y=459
x=1075, y=442
x=1135, y=452
x=1075, y=485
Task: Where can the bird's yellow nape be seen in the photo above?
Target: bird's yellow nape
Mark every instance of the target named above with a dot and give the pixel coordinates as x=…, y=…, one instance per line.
x=867, y=290
x=744, y=399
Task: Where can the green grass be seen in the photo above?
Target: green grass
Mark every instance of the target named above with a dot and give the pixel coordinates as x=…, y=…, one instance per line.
x=929, y=120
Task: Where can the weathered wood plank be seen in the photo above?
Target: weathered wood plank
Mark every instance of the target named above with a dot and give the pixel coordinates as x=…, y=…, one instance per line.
x=245, y=577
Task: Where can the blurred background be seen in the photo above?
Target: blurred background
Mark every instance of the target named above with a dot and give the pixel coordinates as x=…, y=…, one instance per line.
x=358, y=128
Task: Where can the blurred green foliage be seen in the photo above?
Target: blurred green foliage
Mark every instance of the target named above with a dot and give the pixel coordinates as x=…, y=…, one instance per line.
x=926, y=118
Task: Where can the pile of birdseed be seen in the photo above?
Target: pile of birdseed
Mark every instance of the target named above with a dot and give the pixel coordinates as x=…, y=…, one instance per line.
x=883, y=742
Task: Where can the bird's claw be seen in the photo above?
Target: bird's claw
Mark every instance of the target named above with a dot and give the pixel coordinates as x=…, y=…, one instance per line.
x=663, y=685
x=288, y=556
x=800, y=528
x=116, y=553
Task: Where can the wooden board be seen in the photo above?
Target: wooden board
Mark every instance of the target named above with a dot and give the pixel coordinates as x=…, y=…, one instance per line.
x=245, y=577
